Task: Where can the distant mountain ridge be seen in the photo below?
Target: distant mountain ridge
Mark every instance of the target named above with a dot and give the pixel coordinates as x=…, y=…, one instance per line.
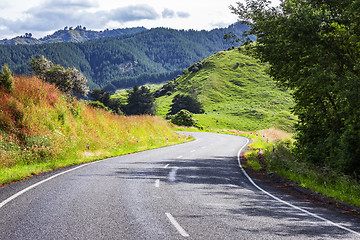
x=149, y=56
x=70, y=34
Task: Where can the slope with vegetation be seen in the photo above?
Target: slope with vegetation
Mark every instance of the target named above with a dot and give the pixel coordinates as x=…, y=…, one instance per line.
x=155, y=55
x=235, y=92
x=42, y=129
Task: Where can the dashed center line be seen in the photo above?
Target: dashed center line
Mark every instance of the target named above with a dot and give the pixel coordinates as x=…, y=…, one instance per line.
x=172, y=174
x=157, y=183
x=193, y=151
x=177, y=225
x=167, y=165
x=180, y=156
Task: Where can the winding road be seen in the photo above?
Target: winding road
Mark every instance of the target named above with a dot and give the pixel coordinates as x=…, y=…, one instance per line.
x=195, y=190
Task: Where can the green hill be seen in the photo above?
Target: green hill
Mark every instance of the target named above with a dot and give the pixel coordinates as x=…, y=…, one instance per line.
x=235, y=93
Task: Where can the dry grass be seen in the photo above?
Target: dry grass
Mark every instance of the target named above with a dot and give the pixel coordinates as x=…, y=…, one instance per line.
x=41, y=127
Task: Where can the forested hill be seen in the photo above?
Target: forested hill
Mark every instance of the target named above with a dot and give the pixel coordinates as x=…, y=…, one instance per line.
x=155, y=55
x=70, y=34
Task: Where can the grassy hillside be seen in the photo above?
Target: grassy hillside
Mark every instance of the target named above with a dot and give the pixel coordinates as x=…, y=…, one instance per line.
x=41, y=130
x=236, y=94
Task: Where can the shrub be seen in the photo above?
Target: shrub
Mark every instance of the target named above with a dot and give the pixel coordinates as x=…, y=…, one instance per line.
x=183, y=118
x=6, y=80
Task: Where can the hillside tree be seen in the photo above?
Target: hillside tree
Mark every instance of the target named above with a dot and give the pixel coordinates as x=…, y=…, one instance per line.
x=68, y=80
x=312, y=47
x=140, y=101
x=6, y=79
x=186, y=102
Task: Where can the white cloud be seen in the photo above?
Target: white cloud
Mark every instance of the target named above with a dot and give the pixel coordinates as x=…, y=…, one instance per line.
x=133, y=13
x=183, y=14
x=42, y=17
x=168, y=13
x=57, y=14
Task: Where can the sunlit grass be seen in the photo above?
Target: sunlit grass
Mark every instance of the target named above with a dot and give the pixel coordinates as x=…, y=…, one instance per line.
x=283, y=162
x=236, y=93
x=42, y=130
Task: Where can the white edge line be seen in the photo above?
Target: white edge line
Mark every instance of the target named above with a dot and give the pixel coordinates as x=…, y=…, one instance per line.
x=3, y=203
x=157, y=183
x=177, y=225
x=286, y=203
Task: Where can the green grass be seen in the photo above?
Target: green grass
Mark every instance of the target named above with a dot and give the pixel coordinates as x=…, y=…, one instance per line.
x=236, y=93
x=321, y=180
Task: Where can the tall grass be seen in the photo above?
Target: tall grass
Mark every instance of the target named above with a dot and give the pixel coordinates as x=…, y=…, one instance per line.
x=282, y=161
x=41, y=130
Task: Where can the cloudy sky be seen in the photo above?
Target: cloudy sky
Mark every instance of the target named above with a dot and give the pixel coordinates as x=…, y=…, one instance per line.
x=42, y=17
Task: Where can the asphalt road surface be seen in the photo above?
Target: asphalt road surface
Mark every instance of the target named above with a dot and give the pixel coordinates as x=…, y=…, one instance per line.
x=195, y=190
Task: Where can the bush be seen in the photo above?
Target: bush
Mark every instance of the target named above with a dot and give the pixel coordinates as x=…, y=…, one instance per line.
x=6, y=80
x=183, y=118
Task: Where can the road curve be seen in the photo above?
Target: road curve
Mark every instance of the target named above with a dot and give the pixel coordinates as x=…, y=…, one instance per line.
x=195, y=190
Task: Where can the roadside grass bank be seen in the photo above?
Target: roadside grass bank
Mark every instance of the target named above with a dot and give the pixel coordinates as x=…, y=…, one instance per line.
x=276, y=156
x=271, y=152
x=42, y=130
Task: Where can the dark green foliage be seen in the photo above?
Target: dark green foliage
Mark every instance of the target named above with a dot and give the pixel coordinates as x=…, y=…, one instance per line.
x=167, y=88
x=6, y=79
x=103, y=97
x=183, y=118
x=186, y=102
x=195, y=67
x=122, y=61
x=100, y=95
x=140, y=101
x=313, y=49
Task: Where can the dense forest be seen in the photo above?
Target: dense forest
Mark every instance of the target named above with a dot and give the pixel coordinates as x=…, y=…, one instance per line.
x=155, y=55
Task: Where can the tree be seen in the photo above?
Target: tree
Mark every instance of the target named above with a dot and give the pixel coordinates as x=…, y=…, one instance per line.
x=140, y=101
x=69, y=80
x=186, y=102
x=6, y=79
x=312, y=47
x=100, y=95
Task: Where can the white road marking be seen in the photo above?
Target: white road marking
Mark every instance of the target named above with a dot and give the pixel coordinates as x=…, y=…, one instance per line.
x=193, y=151
x=172, y=174
x=289, y=204
x=157, y=183
x=177, y=225
x=166, y=166
x=180, y=156
x=3, y=203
